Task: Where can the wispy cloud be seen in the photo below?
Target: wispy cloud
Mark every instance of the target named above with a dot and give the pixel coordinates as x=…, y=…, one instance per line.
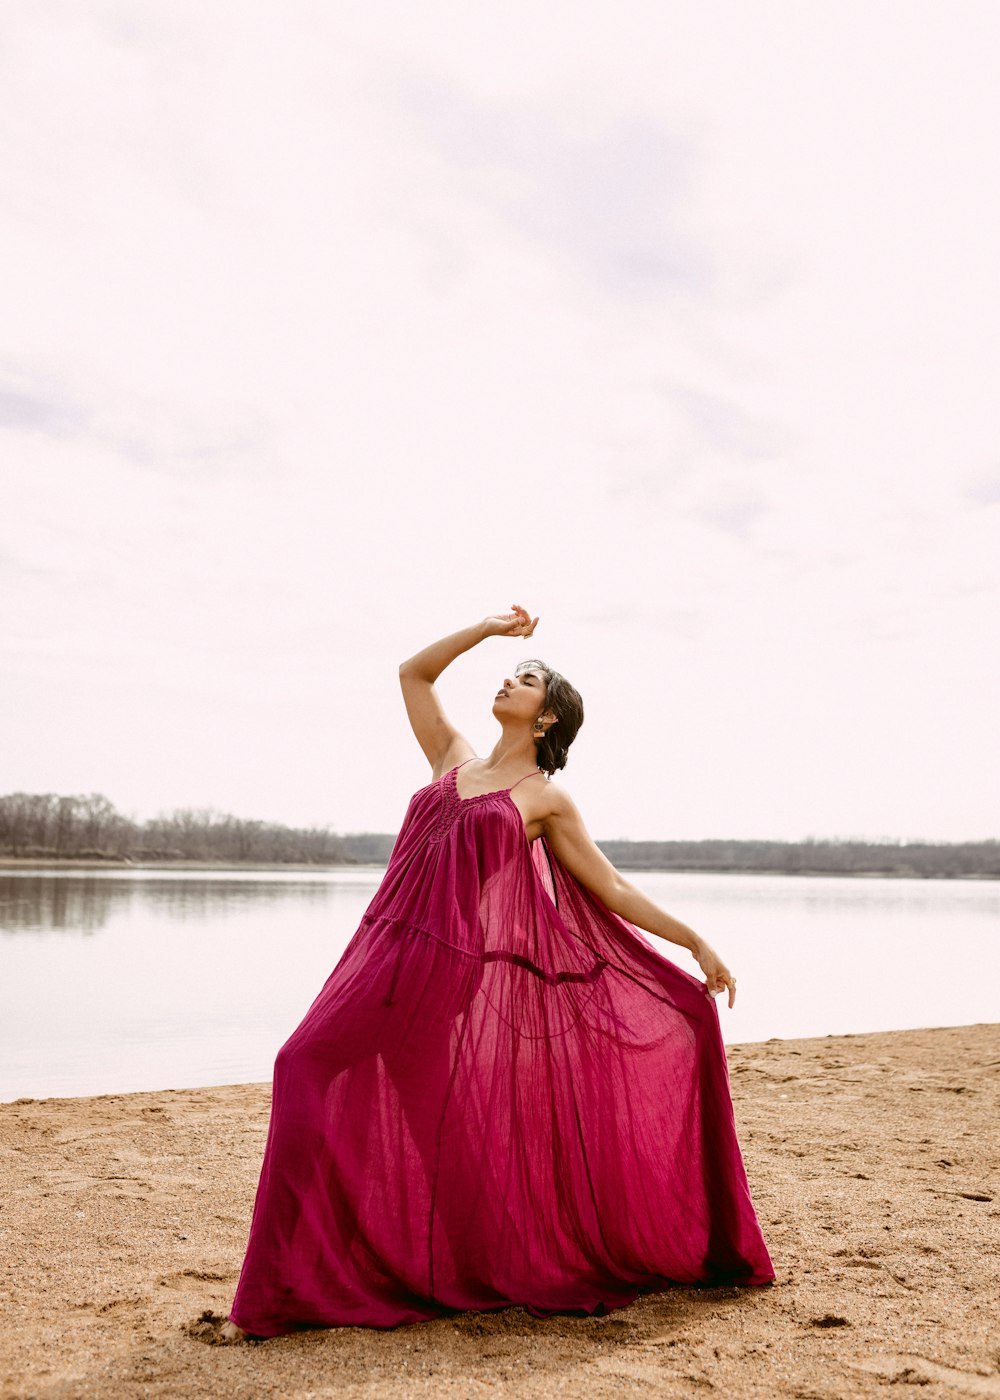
x=985, y=491
x=735, y=513
x=34, y=411
x=609, y=200
x=728, y=428
x=53, y=413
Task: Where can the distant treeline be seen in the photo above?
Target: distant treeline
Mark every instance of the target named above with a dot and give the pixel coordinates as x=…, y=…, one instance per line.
x=925, y=859
x=46, y=827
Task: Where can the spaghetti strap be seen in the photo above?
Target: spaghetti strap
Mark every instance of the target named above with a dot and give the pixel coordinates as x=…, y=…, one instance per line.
x=462, y=765
x=533, y=774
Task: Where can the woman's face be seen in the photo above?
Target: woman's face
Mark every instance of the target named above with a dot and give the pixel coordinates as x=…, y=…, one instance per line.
x=522, y=695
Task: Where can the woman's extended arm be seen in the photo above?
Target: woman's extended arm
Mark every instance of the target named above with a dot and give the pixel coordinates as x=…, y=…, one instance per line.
x=435, y=733
x=574, y=848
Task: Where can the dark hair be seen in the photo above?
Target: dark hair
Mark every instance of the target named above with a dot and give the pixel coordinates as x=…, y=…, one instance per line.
x=565, y=702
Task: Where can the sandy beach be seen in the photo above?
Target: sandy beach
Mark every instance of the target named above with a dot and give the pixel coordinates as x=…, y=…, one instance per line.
x=874, y=1165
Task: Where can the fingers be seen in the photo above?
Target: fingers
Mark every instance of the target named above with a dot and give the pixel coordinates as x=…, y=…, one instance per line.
x=525, y=624
x=721, y=980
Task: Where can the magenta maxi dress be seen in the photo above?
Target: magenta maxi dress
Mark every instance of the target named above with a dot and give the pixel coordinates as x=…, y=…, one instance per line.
x=502, y=1095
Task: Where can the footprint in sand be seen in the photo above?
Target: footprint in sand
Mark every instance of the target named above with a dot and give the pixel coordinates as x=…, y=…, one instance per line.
x=181, y=1279
x=918, y=1370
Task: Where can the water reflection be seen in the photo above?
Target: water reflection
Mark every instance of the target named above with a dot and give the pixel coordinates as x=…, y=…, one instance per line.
x=204, y=899
x=39, y=904
x=86, y=903
x=825, y=893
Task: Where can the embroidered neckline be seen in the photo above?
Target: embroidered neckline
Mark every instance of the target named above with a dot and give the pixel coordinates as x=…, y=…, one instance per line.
x=494, y=792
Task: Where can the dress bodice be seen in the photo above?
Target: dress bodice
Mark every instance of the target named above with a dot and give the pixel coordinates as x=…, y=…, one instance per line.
x=455, y=861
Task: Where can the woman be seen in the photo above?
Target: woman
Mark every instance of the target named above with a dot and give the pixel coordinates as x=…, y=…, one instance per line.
x=502, y=1095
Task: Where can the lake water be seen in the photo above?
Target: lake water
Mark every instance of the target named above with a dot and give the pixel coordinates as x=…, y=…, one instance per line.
x=117, y=980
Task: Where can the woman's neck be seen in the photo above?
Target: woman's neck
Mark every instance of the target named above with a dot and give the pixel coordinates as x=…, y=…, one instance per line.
x=512, y=751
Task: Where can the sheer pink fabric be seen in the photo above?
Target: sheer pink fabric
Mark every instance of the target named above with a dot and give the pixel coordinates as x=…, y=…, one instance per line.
x=502, y=1095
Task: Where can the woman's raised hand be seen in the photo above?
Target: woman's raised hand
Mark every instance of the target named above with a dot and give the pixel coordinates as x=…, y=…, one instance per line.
x=518, y=623
x=718, y=978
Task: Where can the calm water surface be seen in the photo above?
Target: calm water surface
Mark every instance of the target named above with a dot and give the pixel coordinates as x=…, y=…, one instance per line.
x=113, y=981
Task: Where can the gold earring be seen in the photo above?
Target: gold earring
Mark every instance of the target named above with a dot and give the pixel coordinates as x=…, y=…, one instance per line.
x=538, y=729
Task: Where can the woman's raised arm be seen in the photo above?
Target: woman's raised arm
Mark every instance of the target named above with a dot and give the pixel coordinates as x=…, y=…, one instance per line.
x=441, y=742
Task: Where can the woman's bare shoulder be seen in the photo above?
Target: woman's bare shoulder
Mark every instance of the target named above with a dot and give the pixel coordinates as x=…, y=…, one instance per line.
x=556, y=801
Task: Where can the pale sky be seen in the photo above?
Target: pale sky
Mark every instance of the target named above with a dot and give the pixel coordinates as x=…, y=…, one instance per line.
x=326, y=329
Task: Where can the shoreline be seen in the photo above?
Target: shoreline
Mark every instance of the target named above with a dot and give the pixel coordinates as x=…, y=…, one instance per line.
x=733, y=1049
x=41, y=864
x=872, y=1162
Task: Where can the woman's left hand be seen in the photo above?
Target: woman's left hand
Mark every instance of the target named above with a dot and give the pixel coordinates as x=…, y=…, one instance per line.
x=718, y=978
x=518, y=623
